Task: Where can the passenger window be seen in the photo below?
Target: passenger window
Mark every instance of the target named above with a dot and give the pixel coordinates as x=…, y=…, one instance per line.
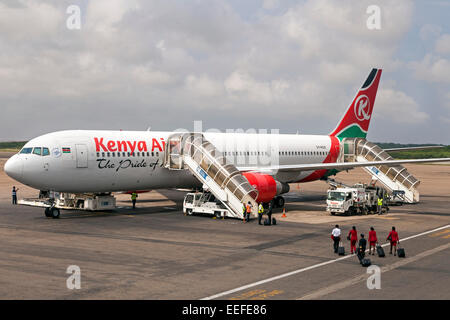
x=45, y=152
x=37, y=151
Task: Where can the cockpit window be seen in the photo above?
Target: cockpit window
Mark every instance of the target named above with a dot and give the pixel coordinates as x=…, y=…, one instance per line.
x=37, y=151
x=45, y=152
x=26, y=150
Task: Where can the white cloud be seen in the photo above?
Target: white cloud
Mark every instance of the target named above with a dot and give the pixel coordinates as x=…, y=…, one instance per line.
x=432, y=68
x=301, y=64
x=443, y=44
x=394, y=106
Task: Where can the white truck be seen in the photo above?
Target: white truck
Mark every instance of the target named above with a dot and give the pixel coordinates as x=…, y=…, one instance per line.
x=204, y=203
x=352, y=200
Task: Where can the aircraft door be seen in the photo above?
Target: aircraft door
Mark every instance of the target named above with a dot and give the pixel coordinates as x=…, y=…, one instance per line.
x=82, y=156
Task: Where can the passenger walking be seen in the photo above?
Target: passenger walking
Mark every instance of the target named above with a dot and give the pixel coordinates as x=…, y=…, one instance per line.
x=260, y=212
x=353, y=237
x=244, y=211
x=362, y=248
x=393, y=239
x=336, y=237
x=133, y=199
x=14, y=195
x=372, y=240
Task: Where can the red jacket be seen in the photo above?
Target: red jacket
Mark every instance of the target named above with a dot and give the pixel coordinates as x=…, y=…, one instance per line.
x=353, y=235
x=373, y=236
x=394, y=236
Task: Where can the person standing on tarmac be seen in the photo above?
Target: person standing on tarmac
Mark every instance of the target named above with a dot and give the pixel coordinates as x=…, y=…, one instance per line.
x=393, y=239
x=14, y=195
x=244, y=211
x=133, y=199
x=336, y=237
x=353, y=237
x=372, y=240
x=380, y=205
x=249, y=211
x=269, y=212
x=260, y=212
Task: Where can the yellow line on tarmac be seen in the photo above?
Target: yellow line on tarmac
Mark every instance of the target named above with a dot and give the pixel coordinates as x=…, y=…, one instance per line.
x=439, y=233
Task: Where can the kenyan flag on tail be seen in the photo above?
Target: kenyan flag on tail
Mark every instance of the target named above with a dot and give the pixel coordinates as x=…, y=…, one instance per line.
x=356, y=120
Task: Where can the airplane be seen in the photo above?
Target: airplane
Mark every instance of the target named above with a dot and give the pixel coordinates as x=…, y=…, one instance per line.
x=103, y=162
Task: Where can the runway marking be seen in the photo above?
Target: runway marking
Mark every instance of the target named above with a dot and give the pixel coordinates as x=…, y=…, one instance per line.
x=284, y=275
x=258, y=294
x=347, y=283
x=439, y=233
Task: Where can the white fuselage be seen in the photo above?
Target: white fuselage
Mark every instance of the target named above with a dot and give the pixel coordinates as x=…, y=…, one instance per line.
x=106, y=161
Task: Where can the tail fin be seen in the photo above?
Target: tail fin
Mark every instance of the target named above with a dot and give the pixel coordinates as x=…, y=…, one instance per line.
x=355, y=122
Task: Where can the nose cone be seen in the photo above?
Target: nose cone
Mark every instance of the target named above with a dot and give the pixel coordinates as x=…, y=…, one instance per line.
x=14, y=167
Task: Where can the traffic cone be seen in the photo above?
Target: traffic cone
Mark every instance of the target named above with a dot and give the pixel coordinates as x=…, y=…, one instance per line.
x=284, y=213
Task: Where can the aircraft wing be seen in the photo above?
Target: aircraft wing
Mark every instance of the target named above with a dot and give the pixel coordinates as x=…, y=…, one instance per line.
x=337, y=165
x=412, y=148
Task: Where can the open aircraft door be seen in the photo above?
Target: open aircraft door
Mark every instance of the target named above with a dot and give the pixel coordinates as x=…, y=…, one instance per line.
x=82, y=156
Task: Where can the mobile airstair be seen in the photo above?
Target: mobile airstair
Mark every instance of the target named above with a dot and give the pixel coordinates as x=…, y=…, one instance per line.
x=192, y=151
x=393, y=178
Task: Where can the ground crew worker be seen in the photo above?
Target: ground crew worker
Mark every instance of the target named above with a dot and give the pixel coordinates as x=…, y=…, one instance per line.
x=380, y=205
x=336, y=237
x=260, y=212
x=393, y=239
x=14, y=195
x=133, y=199
x=353, y=237
x=269, y=213
x=244, y=211
x=362, y=248
x=372, y=240
x=249, y=210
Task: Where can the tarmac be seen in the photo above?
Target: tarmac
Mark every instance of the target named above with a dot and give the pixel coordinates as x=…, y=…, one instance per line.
x=155, y=252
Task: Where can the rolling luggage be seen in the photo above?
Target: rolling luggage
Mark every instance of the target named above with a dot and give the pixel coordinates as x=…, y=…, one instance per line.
x=366, y=262
x=274, y=221
x=341, y=249
x=380, y=251
x=401, y=253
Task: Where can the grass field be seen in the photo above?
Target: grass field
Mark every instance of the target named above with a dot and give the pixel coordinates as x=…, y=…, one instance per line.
x=12, y=146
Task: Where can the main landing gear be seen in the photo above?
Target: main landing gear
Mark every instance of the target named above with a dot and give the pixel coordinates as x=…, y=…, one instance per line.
x=52, y=212
x=278, y=202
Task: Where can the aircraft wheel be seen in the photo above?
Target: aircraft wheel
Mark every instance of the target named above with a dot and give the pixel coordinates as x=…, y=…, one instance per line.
x=54, y=213
x=189, y=212
x=279, y=202
x=47, y=212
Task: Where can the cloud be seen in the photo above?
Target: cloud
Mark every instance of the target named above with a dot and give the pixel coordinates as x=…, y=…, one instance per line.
x=284, y=65
x=394, y=106
x=443, y=44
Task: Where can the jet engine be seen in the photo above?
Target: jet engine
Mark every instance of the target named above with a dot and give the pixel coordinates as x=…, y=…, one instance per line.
x=268, y=188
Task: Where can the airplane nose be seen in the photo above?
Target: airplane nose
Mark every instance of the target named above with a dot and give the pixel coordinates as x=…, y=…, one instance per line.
x=14, y=168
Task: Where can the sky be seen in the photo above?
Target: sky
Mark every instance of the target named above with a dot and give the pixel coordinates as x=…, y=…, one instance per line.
x=255, y=64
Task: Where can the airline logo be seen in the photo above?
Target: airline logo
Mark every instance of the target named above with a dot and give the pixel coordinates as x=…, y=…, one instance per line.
x=362, y=108
x=129, y=146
